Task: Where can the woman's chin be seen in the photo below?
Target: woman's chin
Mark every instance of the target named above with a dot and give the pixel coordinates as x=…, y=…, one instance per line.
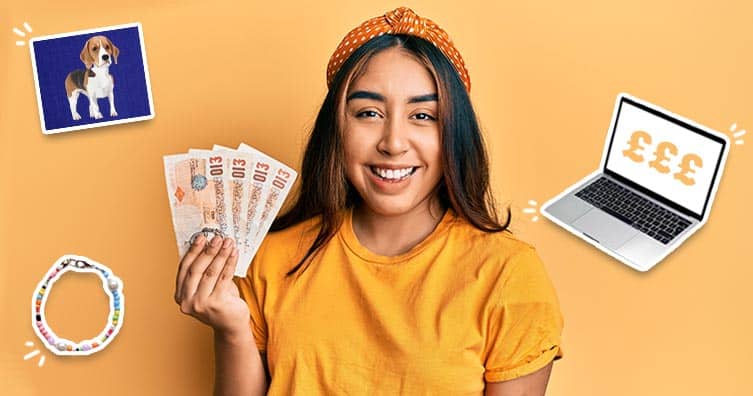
x=389, y=207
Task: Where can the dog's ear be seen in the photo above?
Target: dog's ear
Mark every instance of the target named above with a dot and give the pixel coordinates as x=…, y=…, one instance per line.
x=115, y=51
x=86, y=56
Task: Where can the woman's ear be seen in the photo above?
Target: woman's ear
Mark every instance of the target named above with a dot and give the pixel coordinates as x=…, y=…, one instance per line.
x=115, y=51
x=86, y=56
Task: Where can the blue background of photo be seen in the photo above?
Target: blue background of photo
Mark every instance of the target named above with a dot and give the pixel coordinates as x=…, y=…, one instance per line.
x=57, y=57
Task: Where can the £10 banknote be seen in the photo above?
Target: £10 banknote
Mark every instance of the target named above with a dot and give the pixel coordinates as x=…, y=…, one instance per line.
x=226, y=192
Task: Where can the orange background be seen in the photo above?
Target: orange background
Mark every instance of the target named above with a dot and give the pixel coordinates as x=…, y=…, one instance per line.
x=544, y=78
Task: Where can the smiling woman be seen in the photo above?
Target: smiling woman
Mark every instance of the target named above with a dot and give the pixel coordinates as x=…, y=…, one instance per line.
x=392, y=147
x=327, y=177
x=391, y=273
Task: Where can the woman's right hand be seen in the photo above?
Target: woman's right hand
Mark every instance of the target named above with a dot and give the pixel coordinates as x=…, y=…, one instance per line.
x=204, y=286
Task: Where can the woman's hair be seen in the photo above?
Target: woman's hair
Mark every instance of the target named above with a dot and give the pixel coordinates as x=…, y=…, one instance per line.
x=324, y=189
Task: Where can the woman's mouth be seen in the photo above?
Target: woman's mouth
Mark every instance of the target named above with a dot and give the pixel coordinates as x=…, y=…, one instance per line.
x=393, y=175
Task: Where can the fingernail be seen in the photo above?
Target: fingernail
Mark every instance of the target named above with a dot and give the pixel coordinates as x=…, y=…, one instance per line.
x=226, y=243
x=215, y=241
x=199, y=240
x=235, y=252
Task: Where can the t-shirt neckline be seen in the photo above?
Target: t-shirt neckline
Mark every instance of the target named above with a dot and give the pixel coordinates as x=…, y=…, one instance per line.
x=351, y=241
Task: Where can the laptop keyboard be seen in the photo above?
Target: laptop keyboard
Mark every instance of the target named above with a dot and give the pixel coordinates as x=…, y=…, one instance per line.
x=633, y=209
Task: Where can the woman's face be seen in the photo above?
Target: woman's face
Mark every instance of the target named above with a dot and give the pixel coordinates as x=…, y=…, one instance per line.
x=391, y=134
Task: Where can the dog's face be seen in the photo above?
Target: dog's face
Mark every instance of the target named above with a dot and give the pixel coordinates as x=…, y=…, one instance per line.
x=99, y=51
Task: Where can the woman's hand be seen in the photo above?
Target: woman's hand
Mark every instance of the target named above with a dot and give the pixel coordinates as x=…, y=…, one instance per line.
x=204, y=286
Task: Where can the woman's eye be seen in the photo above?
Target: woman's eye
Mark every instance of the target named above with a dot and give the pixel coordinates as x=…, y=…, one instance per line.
x=367, y=113
x=424, y=116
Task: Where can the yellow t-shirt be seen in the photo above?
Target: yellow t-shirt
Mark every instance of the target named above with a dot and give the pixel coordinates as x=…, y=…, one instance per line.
x=460, y=308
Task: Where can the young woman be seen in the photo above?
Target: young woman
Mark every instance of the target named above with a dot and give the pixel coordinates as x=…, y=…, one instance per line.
x=390, y=273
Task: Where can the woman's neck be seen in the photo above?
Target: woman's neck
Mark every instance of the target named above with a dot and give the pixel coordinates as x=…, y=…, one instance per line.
x=396, y=234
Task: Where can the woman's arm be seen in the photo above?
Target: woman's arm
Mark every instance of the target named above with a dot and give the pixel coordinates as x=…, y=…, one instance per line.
x=239, y=367
x=204, y=289
x=533, y=384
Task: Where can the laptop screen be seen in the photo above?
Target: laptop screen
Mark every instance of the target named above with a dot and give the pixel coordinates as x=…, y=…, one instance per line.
x=666, y=156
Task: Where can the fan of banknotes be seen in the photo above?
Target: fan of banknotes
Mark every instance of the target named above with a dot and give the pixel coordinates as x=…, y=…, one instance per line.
x=226, y=192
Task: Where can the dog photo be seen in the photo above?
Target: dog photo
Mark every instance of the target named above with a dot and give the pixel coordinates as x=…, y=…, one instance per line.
x=91, y=78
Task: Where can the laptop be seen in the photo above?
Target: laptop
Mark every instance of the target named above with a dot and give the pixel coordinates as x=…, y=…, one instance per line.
x=658, y=177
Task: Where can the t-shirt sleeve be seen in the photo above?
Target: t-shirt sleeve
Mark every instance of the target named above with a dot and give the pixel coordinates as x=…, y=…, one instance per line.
x=252, y=292
x=525, y=322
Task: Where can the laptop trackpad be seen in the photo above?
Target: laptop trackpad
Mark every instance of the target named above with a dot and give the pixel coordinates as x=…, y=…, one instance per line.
x=604, y=228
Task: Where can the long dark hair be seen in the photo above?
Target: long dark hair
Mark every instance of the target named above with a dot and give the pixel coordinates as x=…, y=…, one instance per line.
x=324, y=189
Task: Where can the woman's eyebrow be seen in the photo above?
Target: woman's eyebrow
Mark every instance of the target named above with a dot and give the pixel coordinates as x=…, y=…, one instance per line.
x=376, y=96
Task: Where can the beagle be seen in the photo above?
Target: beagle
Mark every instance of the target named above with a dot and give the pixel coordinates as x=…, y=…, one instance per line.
x=95, y=81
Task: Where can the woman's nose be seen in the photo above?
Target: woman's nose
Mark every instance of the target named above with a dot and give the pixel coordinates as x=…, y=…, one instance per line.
x=394, y=139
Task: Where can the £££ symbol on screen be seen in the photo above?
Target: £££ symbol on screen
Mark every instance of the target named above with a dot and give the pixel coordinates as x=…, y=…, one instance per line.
x=664, y=153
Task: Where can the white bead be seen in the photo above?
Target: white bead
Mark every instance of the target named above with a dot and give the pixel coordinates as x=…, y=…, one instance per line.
x=61, y=345
x=112, y=283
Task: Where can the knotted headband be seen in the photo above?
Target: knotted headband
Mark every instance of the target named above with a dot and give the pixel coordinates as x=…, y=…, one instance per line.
x=401, y=20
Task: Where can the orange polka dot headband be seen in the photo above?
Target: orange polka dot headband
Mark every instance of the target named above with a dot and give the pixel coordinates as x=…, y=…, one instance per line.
x=401, y=20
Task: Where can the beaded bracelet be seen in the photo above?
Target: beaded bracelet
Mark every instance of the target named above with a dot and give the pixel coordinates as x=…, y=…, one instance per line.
x=112, y=286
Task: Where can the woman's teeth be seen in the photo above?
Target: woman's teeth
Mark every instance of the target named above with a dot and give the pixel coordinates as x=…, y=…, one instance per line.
x=393, y=174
